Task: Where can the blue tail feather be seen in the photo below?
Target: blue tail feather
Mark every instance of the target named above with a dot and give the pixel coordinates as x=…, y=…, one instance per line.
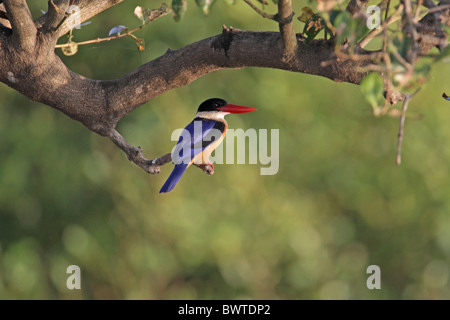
x=174, y=177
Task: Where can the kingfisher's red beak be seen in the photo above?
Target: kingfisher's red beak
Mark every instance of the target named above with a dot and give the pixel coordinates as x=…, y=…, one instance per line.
x=233, y=108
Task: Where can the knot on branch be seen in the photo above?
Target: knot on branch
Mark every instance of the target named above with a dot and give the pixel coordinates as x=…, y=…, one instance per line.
x=283, y=21
x=224, y=41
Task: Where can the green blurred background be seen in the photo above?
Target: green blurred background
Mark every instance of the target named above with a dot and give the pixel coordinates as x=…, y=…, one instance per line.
x=337, y=205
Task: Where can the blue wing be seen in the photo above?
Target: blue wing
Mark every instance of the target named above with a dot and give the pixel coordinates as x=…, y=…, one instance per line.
x=194, y=139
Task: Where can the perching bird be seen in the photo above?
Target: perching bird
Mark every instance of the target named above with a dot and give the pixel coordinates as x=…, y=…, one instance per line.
x=199, y=138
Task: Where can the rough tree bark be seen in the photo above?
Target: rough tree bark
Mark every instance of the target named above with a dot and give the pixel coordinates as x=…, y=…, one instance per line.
x=29, y=64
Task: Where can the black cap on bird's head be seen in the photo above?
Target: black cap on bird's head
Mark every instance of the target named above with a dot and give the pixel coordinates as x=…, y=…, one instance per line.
x=220, y=105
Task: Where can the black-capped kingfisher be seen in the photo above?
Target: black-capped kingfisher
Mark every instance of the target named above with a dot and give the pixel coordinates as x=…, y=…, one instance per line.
x=200, y=137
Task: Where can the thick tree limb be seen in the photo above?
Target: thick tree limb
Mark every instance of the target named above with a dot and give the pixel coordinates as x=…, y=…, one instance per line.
x=232, y=49
x=23, y=28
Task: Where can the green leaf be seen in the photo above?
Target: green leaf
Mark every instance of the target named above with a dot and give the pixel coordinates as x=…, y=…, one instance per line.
x=359, y=28
x=179, y=8
x=204, y=5
x=71, y=49
x=333, y=14
x=372, y=87
x=313, y=26
x=305, y=14
x=343, y=25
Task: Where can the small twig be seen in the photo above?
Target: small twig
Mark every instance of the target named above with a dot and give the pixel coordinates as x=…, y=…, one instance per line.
x=54, y=6
x=374, y=32
x=151, y=18
x=436, y=9
x=401, y=129
x=417, y=13
x=388, y=83
x=128, y=33
x=387, y=9
x=259, y=11
x=402, y=61
x=385, y=30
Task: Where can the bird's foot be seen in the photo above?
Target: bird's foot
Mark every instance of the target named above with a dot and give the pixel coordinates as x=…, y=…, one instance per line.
x=207, y=168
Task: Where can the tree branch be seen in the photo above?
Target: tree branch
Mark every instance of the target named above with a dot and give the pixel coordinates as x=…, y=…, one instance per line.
x=23, y=28
x=429, y=27
x=260, y=12
x=155, y=14
x=101, y=104
x=55, y=14
x=398, y=159
x=88, y=9
x=287, y=31
x=135, y=155
x=374, y=32
x=233, y=49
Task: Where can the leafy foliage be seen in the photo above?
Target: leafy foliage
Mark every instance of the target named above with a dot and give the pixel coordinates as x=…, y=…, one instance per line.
x=179, y=8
